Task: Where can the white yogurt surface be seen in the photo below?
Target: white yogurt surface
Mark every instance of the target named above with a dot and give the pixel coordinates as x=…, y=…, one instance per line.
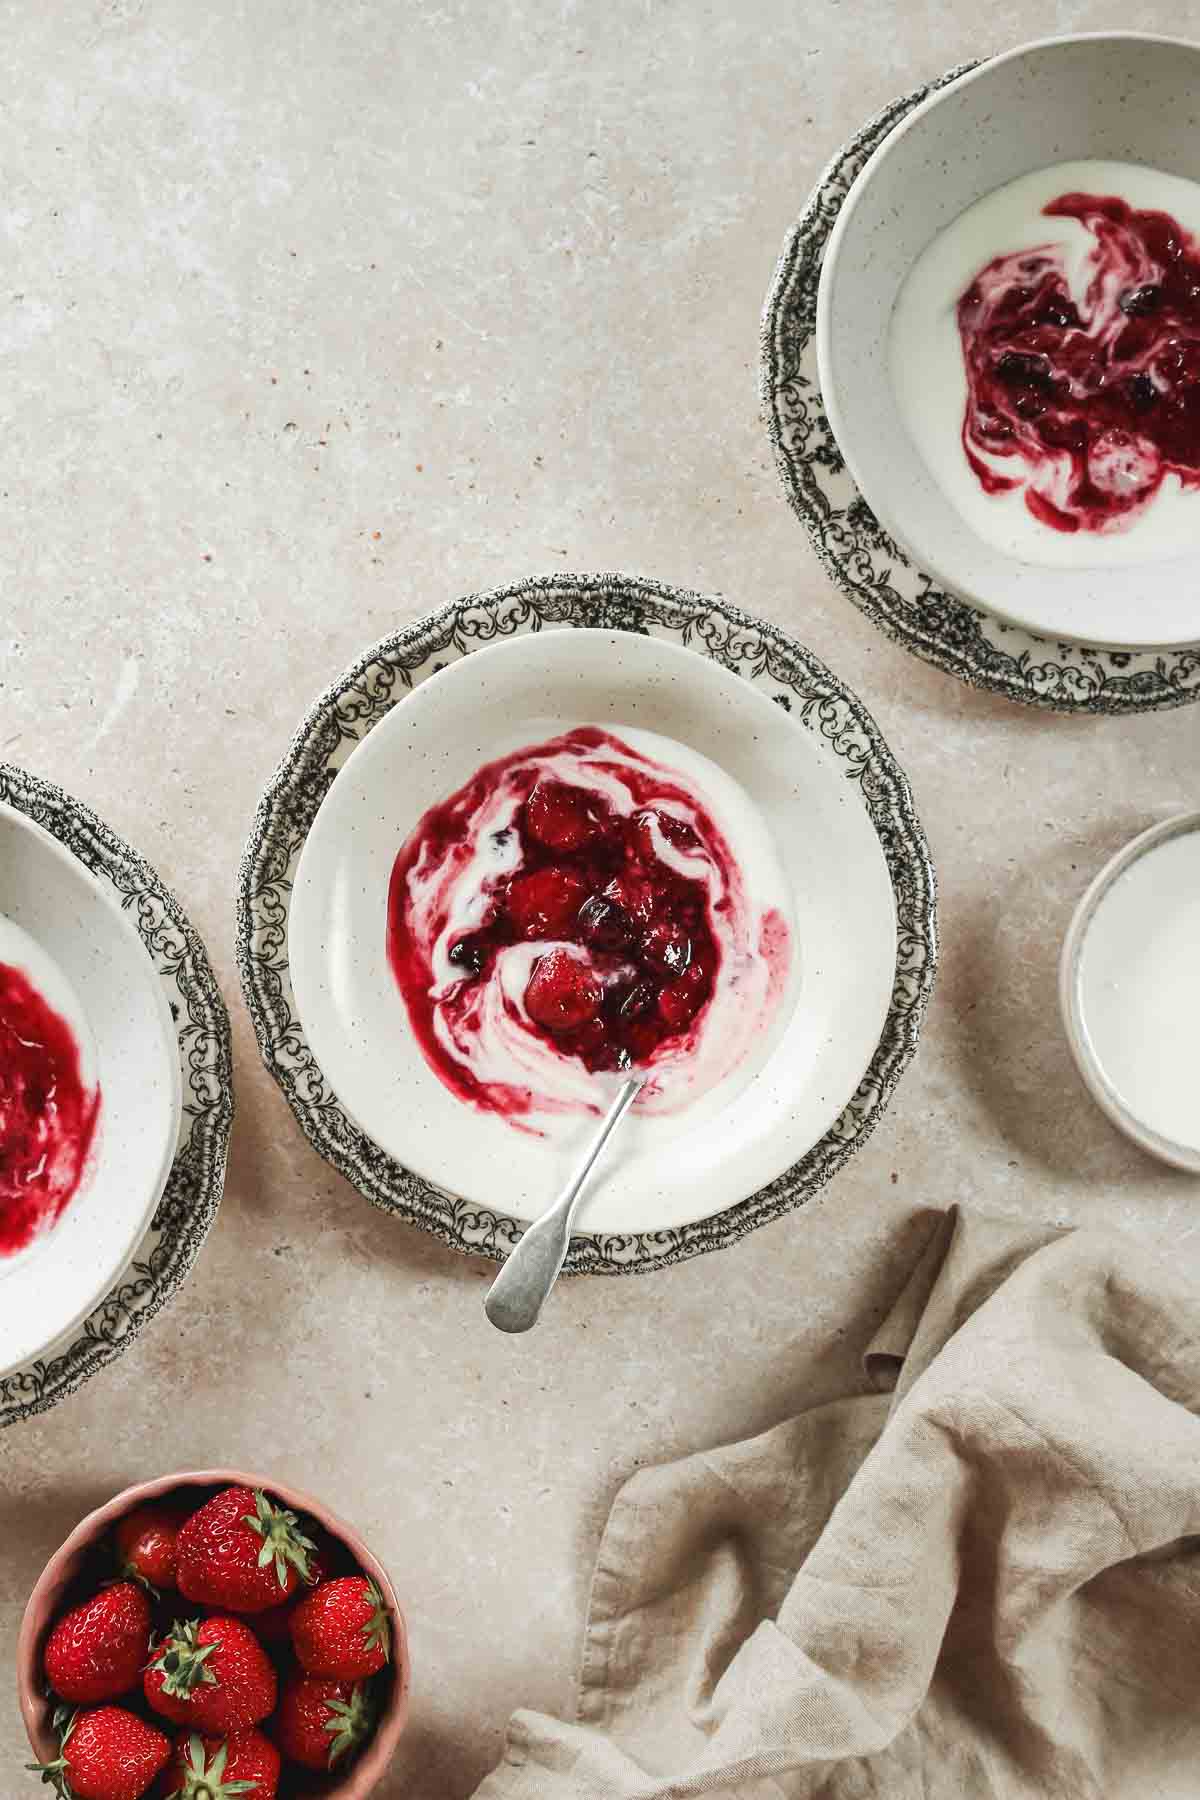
x=929, y=376
x=1139, y=988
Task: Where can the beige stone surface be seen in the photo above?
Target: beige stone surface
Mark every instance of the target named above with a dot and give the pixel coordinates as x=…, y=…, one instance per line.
x=314, y=317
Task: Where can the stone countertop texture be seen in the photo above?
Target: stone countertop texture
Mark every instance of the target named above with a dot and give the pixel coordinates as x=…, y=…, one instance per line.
x=315, y=317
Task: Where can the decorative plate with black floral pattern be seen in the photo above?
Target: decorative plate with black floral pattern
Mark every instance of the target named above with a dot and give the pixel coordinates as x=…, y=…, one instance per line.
x=194, y=1186
x=381, y=679
x=866, y=564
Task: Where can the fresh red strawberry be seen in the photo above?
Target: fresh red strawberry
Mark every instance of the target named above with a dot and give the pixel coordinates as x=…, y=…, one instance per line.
x=562, y=993
x=98, y=1649
x=215, y=1677
x=145, y=1543
x=107, y=1754
x=213, y=1768
x=545, y=903
x=241, y=1551
x=342, y=1629
x=561, y=817
x=320, y=1722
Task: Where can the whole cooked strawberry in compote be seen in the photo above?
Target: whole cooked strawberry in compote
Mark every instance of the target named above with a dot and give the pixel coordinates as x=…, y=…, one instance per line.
x=579, y=905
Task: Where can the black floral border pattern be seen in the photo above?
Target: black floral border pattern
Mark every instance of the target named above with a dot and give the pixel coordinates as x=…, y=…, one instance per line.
x=196, y=1180
x=381, y=679
x=860, y=557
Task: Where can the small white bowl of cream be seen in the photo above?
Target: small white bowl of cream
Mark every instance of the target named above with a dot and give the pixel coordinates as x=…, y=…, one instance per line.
x=1129, y=984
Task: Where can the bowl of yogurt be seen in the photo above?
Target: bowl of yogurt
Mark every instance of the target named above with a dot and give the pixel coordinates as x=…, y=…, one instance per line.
x=1008, y=338
x=574, y=854
x=90, y=1090
x=1129, y=986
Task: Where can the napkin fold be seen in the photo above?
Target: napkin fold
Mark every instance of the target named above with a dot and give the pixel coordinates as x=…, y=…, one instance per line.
x=983, y=1580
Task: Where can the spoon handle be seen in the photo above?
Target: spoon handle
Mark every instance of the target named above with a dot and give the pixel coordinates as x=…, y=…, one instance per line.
x=517, y=1295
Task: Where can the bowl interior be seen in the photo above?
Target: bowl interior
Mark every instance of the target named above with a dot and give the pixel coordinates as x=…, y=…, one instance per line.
x=663, y=1172
x=84, y=1560
x=1120, y=97
x=88, y=959
x=1129, y=928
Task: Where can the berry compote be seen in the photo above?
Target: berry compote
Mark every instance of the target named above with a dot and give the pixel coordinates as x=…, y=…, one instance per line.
x=577, y=894
x=1099, y=396
x=47, y=1113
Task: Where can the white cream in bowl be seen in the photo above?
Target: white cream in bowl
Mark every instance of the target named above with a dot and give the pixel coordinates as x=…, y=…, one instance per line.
x=1131, y=990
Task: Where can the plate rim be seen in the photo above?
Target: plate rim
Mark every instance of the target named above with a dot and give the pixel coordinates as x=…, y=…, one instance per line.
x=191, y=1195
x=953, y=635
x=706, y=623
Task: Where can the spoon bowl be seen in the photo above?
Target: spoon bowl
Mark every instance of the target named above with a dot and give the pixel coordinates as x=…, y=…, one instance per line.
x=516, y=1297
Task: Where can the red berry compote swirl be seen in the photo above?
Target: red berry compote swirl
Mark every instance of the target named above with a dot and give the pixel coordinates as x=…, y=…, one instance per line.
x=576, y=909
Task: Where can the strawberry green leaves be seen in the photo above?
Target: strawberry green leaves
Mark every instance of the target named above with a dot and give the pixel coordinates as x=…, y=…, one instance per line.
x=283, y=1541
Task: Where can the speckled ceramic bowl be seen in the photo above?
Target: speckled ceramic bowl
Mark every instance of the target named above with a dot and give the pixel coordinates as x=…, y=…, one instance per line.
x=707, y=1155
x=811, y=716
x=51, y=1592
x=1118, y=96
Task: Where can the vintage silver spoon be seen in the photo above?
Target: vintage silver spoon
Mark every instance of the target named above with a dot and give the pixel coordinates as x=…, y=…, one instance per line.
x=517, y=1295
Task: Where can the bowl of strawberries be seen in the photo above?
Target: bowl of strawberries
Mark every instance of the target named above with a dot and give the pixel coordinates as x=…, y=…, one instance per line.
x=213, y=1636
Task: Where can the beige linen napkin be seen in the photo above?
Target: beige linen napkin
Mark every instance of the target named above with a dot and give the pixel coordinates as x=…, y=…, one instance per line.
x=983, y=1583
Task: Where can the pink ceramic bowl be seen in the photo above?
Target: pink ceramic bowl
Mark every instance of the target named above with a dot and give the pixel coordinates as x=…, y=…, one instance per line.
x=66, y=1565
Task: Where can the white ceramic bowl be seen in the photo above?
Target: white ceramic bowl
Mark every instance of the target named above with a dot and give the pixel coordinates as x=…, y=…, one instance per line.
x=85, y=956
x=663, y=1172
x=1103, y=961
x=1119, y=96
